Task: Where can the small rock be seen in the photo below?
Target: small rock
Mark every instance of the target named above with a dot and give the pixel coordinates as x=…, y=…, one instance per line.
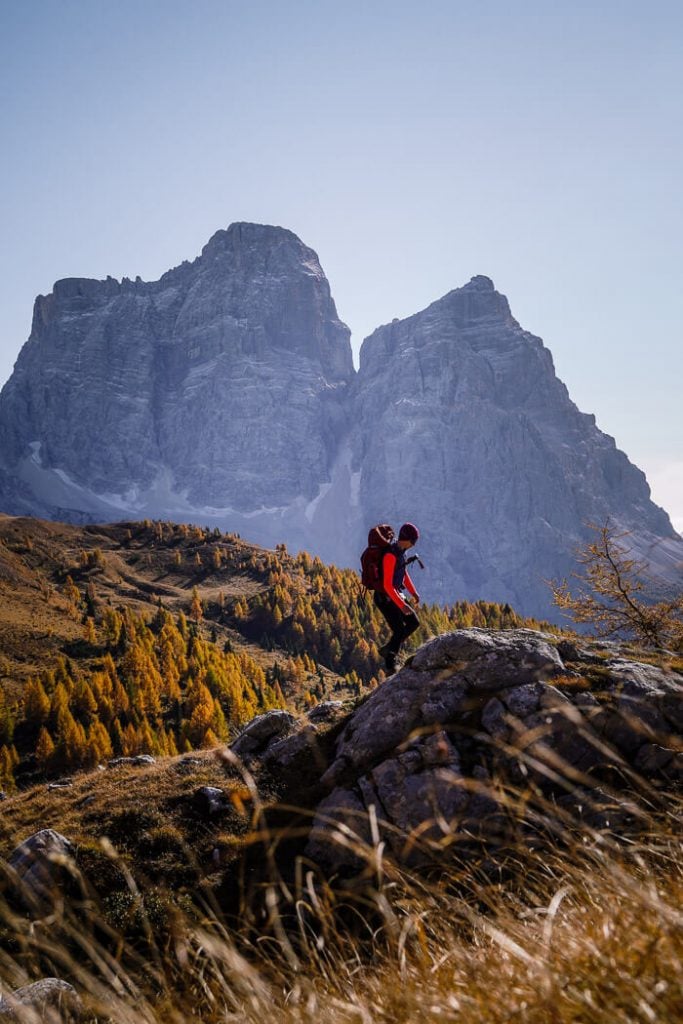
x=586, y=700
x=50, y=999
x=493, y=719
x=187, y=764
x=65, y=784
x=326, y=711
x=254, y=739
x=652, y=758
x=570, y=650
x=211, y=800
x=340, y=832
x=281, y=754
x=523, y=700
x=437, y=750
x=139, y=760
x=551, y=697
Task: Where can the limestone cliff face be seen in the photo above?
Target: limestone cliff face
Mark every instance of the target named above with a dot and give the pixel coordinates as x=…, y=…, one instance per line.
x=463, y=427
x=220, y=384
x=225, y=394
x=481, y=732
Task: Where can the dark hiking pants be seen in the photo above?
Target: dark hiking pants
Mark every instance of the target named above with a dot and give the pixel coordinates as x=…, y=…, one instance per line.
x=401, y=625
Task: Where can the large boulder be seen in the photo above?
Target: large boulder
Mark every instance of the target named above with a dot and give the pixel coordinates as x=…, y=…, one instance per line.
x=428, y=761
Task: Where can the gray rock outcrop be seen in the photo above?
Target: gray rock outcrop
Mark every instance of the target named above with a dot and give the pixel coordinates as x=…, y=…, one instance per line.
x=39, y=866
x=137, y=761
x=49, y=1001
x=430, y=762
x=281, y=742
x=263, y=732
x=225, y=394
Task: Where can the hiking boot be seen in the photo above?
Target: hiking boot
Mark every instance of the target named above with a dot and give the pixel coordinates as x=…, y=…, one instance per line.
x=390, y=662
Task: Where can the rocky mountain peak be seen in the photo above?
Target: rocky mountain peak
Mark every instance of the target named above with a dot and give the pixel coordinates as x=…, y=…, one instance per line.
x=240, y=351
x=458, y=314
x=225, y=392
x=476, y=301
x=463, y=427
x=481, y=283
x=266, y=238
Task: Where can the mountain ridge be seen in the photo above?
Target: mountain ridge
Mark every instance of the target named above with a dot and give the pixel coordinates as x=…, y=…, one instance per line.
x=225, y=392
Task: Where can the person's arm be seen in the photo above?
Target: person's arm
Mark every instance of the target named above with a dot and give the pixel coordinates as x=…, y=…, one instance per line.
x=388, y=566
x=410, y=587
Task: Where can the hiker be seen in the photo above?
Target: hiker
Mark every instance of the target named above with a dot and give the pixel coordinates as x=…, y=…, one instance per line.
x=389, y=599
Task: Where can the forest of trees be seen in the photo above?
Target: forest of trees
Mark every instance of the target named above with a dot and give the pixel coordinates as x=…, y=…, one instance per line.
x=163, y=683
x=161, y=688
x=311, y=608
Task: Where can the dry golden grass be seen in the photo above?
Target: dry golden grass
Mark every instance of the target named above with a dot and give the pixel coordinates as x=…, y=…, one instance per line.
x=37, y=622
x=588, y=930
x=147, y=812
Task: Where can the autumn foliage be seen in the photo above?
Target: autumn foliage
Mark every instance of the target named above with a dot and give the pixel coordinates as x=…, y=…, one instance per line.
x=172, y=679
x=614, y=597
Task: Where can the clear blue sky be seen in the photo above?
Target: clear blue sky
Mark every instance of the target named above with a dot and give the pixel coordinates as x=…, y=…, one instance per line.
x=412, y=145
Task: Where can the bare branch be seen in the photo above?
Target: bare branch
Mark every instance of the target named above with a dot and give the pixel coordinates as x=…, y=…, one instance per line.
x=613, y=597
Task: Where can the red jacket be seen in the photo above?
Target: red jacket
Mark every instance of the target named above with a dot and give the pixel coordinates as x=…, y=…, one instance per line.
x=388, y=568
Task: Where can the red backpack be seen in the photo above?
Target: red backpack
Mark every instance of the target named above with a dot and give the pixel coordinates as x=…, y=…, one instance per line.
x=379, y=540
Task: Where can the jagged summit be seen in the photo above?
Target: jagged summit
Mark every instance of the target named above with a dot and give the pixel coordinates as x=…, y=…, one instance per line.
x=465, y=308
x=476, y=300
x=247, y=233
x=481, y=283
x=238, y=235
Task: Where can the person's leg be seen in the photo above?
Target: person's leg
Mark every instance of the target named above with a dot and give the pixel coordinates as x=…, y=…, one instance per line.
x=402, y=626
x=409, y=623
x=394, y=618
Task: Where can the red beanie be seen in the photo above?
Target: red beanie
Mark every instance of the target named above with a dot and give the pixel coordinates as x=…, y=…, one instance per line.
x=409, y=532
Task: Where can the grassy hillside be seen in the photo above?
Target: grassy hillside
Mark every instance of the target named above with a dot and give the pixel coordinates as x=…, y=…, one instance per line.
x=166, y=921
x=159, y=638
